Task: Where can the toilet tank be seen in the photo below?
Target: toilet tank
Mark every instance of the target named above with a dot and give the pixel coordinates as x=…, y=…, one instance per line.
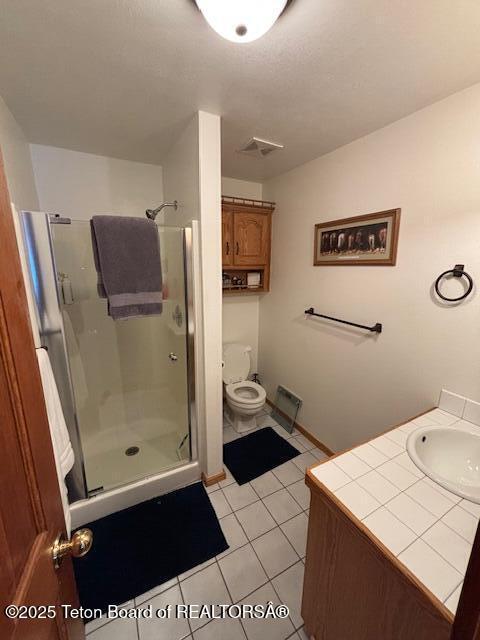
x=236, y=362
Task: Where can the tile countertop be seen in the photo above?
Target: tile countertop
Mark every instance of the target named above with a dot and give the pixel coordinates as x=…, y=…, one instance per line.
x=429, y=529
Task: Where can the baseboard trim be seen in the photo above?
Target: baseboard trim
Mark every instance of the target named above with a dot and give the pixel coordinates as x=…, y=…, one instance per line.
x=305, y=432
x=209, y=480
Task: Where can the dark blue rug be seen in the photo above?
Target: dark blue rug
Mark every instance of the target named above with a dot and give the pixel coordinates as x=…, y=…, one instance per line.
x=139, y=548
x=251, y=456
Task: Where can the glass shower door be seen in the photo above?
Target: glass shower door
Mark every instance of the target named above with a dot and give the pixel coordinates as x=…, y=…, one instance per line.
x=129, y=377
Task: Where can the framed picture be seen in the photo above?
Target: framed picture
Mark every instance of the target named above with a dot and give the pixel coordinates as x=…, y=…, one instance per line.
x=364, y=240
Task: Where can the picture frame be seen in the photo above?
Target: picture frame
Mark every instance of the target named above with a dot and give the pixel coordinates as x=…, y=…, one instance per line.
x=366, y=240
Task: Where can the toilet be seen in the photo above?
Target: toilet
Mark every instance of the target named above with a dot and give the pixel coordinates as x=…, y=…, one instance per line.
x=245, y=399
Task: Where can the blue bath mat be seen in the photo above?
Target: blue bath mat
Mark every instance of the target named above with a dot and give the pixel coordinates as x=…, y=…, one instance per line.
x=142, y=547
x=251, y=456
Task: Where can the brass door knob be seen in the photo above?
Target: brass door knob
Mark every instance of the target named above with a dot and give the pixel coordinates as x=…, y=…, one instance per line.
x=79, y=545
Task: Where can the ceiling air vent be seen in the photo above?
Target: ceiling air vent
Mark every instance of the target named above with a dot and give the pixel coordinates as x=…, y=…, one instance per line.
x=259, y=148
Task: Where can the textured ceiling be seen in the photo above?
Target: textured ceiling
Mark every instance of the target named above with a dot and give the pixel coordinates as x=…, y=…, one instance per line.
x=122, y=77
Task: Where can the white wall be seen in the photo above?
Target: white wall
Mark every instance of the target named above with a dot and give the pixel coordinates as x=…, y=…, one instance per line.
x=355, y=385
x=17, y=161
x=80, y=185
x=241, y=188
x=241, y=312
x=192, y=176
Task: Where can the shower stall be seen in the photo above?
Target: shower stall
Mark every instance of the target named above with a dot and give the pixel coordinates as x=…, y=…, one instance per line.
x=127, y=387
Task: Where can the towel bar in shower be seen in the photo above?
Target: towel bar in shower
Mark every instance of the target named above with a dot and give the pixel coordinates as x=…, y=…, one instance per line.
x=377, y=328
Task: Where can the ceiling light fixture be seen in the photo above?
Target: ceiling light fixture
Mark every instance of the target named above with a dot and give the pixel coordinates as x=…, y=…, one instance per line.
x=241, y=20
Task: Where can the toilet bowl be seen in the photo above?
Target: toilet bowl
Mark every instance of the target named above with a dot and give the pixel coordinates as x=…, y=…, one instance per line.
x=245, y=399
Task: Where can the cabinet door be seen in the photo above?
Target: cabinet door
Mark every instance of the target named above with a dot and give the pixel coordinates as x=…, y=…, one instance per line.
x=227, y=238
x=251, y=234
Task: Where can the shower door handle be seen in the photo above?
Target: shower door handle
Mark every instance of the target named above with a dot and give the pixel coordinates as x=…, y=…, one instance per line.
x=173, y=357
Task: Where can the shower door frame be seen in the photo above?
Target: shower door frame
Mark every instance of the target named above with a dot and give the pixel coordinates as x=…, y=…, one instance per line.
x=39, y=249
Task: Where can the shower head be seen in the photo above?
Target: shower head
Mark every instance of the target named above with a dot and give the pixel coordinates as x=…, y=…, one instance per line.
x=153, y=213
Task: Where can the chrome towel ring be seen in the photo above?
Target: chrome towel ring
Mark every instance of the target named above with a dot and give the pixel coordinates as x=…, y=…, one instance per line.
x=457, y=272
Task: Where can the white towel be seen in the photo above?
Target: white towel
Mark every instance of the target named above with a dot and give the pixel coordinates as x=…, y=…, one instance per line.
x=62, y=447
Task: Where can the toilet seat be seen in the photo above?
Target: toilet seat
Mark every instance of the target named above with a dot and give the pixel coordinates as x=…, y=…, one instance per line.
x=245, y=393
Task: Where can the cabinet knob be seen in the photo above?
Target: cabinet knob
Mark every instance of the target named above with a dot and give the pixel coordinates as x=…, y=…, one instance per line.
x=227, y=249
x=238, y=249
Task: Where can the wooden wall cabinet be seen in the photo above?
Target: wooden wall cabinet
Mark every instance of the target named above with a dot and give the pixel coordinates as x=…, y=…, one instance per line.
x=246, y=236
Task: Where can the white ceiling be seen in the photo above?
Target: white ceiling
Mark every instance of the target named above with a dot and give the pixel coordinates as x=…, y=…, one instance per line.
x=122, y=77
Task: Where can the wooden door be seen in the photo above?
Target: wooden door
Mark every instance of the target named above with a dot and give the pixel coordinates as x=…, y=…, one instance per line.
x=251, y=231
x=227, y=238
x=466, y=625
x=31, y=514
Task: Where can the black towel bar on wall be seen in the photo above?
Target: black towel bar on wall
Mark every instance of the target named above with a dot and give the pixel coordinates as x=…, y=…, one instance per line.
x=377, y=328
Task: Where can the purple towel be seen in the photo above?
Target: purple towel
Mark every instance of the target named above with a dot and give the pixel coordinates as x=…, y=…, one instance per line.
x=126, y=252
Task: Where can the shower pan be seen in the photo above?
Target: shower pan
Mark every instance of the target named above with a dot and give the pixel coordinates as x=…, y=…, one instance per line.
x=126, y=386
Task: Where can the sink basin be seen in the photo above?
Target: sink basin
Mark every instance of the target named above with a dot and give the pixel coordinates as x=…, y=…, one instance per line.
x=450, y=456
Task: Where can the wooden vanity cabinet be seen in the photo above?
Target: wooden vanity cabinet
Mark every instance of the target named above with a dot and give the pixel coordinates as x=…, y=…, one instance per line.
x=246, y=233
x=354, y=588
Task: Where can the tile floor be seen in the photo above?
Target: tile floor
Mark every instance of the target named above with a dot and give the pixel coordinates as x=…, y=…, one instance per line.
x=265, y=524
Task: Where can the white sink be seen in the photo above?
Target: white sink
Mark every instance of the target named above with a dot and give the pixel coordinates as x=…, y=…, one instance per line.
x=450, y=456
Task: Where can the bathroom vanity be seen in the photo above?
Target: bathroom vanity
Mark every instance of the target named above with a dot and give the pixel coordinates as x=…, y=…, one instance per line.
x=387, y=547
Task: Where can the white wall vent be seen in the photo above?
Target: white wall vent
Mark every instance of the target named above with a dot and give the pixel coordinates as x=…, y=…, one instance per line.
x=260, y=148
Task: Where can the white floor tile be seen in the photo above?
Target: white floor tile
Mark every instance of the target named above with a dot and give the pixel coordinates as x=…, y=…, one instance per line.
x=449, y=544
x=394, y=534
x=269, y=629
x=289, y=587
x=227, y=629
x=243, y=572
x=296, y=531
x=155, y=591
x=100, y=622
x=229, y=479
x=219, y=503
x=240, y=496
x=116, y=630
x=275, y=552
x=301, y=493
x=452, y=601
x=319, y=454
x=386, y=446
x=378, y=486
x=282, y=506
x=461, y=521
x=353, y=466
x=411, y=513
x=171, y=628
x=308, y=444
x=255, y=519
x=205, y=587
x=295, y=442
x=199, y=567
x=430, y=498
x=435, y=573
x=233, y=533
x=357, y=500
x=331, y=476
x=397, y=475
x=304, y=461
x=229, y=434
x=370, y=455
x=266, y=484
x=288, y=473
